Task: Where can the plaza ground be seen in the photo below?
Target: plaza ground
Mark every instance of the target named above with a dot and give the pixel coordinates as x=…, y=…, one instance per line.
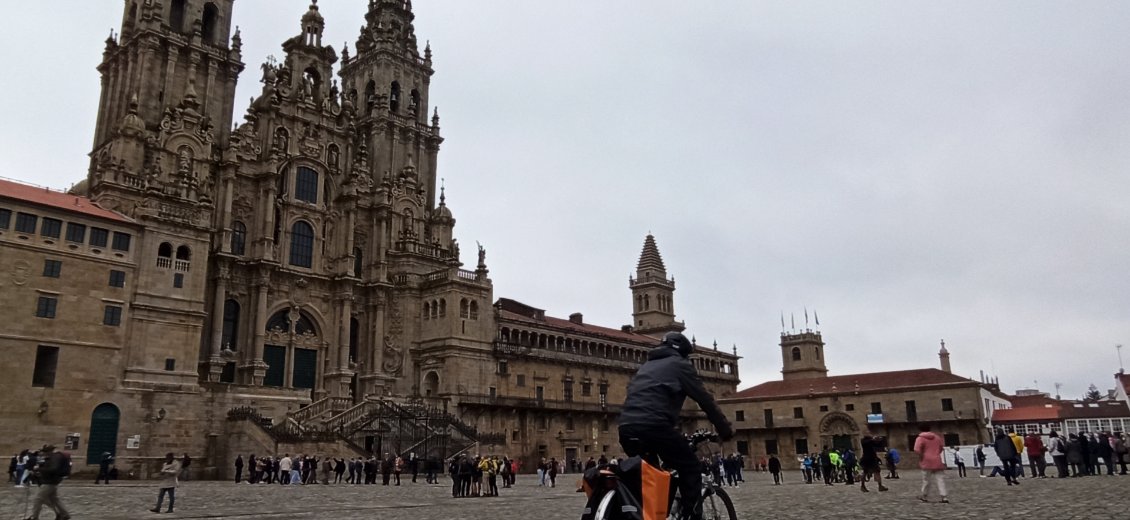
x=981, y=498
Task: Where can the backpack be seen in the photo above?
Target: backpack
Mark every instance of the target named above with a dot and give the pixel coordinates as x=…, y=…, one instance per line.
x=65, y=466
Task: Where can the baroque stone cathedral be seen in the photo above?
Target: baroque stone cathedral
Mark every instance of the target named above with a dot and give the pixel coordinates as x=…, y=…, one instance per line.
x=293, y=282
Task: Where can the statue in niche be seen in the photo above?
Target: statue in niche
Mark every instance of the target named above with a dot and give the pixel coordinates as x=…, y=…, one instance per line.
x=393, y=357
x=184, y=162
x=332, y=156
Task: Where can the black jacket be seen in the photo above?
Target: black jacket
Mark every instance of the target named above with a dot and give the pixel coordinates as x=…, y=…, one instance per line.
x=657, y=391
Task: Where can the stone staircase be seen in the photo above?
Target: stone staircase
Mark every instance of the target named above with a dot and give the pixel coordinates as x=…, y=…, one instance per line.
x=404, y=428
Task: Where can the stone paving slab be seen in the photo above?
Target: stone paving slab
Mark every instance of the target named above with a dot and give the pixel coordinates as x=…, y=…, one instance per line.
x=981, y=498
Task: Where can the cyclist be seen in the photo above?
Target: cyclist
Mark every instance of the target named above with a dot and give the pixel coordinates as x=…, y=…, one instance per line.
x=650, y=416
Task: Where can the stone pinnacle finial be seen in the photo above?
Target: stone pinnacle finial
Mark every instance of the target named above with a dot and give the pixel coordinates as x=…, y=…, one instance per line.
x=650, y=260
x=442, y=195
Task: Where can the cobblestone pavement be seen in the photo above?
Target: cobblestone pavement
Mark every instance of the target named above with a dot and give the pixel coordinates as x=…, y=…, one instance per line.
x=973, y=497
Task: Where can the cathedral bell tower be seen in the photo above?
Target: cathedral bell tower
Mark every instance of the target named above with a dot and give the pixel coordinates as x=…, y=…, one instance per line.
x=653, y=294
x=385, y=87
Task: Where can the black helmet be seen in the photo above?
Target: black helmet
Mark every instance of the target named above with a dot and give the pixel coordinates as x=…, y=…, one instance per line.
x=678, y=342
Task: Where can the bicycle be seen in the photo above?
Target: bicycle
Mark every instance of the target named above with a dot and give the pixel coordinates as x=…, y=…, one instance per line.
x=618, y=490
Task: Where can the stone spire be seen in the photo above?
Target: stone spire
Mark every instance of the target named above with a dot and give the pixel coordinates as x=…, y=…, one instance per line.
x=944, y=356
x=650, y=259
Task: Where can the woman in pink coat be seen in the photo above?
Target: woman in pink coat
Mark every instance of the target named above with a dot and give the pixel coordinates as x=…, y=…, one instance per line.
x=929, y=447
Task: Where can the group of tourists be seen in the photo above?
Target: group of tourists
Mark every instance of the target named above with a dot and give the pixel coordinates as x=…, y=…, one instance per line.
x=1079, y=455
x=726, y=470
x=45, y=468
x=309, y=469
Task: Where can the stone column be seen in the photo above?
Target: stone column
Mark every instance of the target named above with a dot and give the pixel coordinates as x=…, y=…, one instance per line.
x=256, y=368
x=338, y=381
x=215, y=359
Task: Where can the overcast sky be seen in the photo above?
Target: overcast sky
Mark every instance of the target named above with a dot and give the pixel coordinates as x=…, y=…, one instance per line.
x=912, y=171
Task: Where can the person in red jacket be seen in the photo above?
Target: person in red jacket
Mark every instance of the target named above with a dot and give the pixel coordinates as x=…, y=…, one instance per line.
x=1035, y=448
x=929, y=448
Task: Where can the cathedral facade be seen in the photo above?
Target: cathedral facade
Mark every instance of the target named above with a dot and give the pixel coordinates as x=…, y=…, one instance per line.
x=301, y=264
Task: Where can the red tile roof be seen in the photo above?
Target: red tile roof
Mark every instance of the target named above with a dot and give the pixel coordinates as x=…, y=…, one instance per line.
x=871, y=382
x=57, y=200
x=1025, y=401
x=1062, y=410
x=1026, y=414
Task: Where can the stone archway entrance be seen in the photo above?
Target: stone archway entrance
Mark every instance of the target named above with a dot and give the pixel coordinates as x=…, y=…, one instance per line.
x=103, y=433
x=839, y=431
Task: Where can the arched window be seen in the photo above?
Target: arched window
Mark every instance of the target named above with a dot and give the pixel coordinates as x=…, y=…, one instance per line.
x=354, y=338
x=306, y=185
x=209, y=22
x=646, y=302
x=238, y=238
x=230, y=338
x=464, y=308
x=184, y=253
x=415, y=100
x=427, y=310
x=443, y=308
x=279, y=321
x=302, y=245
x=394, y=98
x=431, y=384
x=304, y=325
x=371, y=95
x=817, y=351
x=165, y=255
x=474, y=310
x=435, y=309
x=796, y=353
x=176, y=15
x=358, y=262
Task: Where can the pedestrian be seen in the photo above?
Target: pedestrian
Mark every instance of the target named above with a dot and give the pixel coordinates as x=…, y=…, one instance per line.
x=979, y=459
x=327, y=470
x=552, y=472
x=775, y=469
x=184, y=463
x=1058, y=450
x=1018, y=442
x=169, y=471
x=1085, y=453
x=959, y=461
x=397, y=468
x=1075, y=456
x=541, y=472
x=893, y=459
x=413, y=466
x=104, y=468
x=1120, y=451
x=49, y=475
x=871, y=447
x=22, y=470
x=1006, y=452
x=806, y=467
x=849, y=462
x=929, y=447
x=1037, y=462
x=1106, y=452
x=826, y=465
x=238, y=468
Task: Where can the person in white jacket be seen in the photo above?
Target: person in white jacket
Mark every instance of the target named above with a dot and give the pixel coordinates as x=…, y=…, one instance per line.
x=169, y=471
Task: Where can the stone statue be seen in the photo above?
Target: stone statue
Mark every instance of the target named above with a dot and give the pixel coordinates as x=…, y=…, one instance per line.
x=482, y=255
x=184, y=162
x=393, y=357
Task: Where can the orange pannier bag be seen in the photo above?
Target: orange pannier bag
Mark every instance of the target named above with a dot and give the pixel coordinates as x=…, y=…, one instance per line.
x=654, y=492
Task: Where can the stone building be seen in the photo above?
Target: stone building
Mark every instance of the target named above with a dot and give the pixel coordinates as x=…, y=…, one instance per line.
x=808, y=409
x=291, y=279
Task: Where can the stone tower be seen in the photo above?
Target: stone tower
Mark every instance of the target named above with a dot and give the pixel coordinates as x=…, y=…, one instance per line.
x=653, y=293
x=944, y=357
x=168, y=88
x=386, y=86
x=802, y=355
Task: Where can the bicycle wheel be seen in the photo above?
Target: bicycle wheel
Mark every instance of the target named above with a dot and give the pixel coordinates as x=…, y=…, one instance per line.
x=718, y=506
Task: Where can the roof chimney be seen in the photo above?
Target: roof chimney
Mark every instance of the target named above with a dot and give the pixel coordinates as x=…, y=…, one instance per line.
x=577, y=318
x=625, y=328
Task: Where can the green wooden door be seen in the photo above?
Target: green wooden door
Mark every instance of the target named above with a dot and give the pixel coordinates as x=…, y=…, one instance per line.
x=275, y=357
x=103, y=432
x=305, y=368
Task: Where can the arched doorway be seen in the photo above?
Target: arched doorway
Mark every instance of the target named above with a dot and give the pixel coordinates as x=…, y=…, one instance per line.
x=103, y=432
x=431, y=384
x=838, y=431
x=291, y=350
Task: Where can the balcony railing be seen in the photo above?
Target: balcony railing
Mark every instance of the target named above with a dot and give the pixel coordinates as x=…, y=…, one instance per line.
x=534, y=403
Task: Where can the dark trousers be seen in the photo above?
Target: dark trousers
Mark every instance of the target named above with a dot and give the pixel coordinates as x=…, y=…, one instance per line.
x=670, y=446
x=385, y=477
x=1037, y=465
x=1109, y=460
x=103, y=475
x=1060, y=466
x=1011, y=469
x=161, y=497
x=238, y=474
x=827, y=472
x=776, y=477
x=960, y=469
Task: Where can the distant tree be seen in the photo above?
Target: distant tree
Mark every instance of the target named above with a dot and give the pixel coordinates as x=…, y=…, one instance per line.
x=1093, y=394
